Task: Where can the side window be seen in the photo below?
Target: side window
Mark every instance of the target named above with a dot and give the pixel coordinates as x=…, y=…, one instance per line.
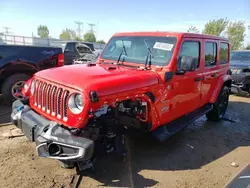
x=210, y=54
x=71, y=47
x=190, y=49
x=224, y=57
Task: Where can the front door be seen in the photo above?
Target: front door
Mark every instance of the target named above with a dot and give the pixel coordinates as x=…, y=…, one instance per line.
x=187, y=86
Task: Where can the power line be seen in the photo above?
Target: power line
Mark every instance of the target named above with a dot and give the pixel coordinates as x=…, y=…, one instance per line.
x=91, y=25
x=79, y=30
x=6, y=30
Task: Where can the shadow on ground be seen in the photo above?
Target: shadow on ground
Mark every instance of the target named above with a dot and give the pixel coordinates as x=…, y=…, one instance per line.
x=197, y=145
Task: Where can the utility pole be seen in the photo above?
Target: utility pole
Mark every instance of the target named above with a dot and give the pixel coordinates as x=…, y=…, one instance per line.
x=91, y=27
x=79, y=29
x=97, y=26
x=6, y=30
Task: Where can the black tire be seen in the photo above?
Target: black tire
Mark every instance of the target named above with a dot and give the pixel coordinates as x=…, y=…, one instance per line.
x=67, y=165
x=220, y=106
x=8, y=85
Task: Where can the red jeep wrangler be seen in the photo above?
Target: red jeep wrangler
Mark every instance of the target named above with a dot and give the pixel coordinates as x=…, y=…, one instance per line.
x=158, y=82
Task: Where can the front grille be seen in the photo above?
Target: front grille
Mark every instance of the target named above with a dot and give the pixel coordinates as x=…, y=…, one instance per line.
x=51, y=99
x=246, y=70
x=236, y=71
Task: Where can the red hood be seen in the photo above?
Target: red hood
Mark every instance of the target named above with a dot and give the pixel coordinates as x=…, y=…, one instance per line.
x=100, y=78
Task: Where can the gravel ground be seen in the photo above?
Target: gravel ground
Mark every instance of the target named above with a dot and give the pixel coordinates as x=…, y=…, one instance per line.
x=199, y=156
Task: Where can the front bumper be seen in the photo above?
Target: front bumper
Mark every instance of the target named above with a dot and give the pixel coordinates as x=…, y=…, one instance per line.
x=237, y=89
x=52, y=140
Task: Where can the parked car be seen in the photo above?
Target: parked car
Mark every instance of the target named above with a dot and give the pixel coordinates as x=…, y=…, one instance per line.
x=76, y=51
x=157, y=82
x=19, y=63
x=240, y=69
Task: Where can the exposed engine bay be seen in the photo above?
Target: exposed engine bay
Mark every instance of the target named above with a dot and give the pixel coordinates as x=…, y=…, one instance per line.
x=108, y=126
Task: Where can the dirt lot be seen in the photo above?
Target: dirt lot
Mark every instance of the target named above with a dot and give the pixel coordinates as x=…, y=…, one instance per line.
x=200, y=156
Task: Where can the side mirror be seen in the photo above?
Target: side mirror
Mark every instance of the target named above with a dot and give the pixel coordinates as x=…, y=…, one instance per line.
x=187, y=63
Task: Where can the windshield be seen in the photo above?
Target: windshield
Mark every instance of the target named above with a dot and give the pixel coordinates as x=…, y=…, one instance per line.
x=161, y=47
x=240, y=56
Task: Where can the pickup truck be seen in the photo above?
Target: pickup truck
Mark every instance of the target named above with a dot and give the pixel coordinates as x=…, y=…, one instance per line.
x=19, y=63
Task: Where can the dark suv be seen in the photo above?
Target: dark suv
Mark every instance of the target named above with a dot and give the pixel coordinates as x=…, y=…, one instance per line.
x=240, y=69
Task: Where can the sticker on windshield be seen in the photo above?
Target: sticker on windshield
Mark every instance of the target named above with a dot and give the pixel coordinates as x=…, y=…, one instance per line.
x=163, y=46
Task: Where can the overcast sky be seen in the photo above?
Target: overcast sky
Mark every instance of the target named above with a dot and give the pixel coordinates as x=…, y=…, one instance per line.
x=23, y=16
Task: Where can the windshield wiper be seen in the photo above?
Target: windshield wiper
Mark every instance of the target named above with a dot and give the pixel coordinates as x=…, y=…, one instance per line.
x=122, y=51
x=149, y=56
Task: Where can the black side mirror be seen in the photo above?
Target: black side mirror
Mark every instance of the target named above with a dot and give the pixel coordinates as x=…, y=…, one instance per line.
x=187, y=63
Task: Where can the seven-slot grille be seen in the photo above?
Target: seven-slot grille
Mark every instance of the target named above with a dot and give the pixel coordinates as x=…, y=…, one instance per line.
x=51, y=99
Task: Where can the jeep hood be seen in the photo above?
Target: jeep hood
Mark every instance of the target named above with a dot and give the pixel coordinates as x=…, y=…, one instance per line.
x=104, y=79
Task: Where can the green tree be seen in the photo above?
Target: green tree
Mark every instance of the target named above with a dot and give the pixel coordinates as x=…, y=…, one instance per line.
x=67, y=34
x=215, y=27
x=248, y=47
x=193, y=29
x=89, y=37
x=78, y=38
x=101, y=41
x=43, y=31
x=235, y=33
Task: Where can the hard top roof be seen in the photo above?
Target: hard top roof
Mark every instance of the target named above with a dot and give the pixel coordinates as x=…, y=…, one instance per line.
x=176, y=34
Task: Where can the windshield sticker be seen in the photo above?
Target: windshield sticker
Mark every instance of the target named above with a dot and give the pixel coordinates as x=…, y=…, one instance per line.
x=163, y=46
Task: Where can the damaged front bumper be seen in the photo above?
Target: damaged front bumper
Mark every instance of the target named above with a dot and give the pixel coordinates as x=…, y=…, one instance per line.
x=240, y=84
x=237, y=89
x=52, y=140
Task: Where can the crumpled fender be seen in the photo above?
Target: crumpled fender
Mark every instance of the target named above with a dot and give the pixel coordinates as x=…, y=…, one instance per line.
x=220, y=82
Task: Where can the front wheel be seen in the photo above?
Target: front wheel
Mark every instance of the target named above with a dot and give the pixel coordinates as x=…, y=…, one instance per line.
x=12, y=86
x=220, y=105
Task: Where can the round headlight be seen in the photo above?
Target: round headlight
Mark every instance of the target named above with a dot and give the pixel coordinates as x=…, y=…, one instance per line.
x=32, y=88
x=76, y=103
x=79, y=102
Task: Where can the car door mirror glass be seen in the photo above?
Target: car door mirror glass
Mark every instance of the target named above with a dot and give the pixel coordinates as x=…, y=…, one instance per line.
x=187, y=63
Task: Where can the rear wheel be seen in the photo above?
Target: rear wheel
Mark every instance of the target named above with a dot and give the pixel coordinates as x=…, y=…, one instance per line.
x=220, y=105
x=12, y=87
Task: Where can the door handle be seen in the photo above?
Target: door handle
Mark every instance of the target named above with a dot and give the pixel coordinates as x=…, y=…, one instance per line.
x=197, y=79
x=213, y=75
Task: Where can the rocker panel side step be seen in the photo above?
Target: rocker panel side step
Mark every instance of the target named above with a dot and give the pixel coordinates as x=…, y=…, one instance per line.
x=164, y=132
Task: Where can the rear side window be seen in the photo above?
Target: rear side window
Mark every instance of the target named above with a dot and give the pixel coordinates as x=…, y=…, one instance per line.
x=224, y=53
x=190, y=48
x=210, y=54
x=70, y=46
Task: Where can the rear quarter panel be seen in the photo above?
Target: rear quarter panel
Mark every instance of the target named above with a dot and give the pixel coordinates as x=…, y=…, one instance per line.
x=36, y=57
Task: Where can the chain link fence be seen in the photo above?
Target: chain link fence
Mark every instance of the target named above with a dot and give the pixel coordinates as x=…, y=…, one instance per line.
x=35, y=41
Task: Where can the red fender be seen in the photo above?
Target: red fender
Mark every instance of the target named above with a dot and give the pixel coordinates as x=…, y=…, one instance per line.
x=218, y=87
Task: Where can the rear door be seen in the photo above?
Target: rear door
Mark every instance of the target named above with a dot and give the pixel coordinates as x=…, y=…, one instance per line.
x=211, y=66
